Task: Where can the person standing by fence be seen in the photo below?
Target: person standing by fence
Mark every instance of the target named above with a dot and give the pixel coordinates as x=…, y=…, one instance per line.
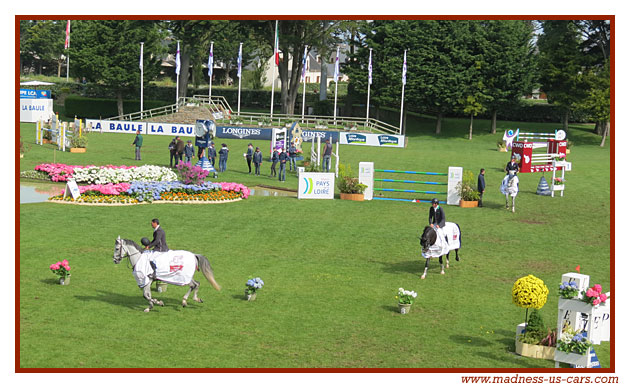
x=257, y=161
x=172, y=148
x=274, y=161
x=180, y=149
x=292, y=157
x=481, y=185
x=138, y=143
x=283, y=157
x=223, y=157
x=212, y=153
x=249, y=155
x=189, y=151
x=327, y=155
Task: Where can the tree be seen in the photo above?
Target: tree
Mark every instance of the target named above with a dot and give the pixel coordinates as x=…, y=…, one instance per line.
x=509, y=66
x=42, y=41
x=560, y=65
x=108, y=51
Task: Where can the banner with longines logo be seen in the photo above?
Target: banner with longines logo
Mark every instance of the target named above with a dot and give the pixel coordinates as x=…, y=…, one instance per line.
x=245, y=133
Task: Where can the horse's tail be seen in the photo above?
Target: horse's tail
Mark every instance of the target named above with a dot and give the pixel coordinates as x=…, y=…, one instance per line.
x=206, y=268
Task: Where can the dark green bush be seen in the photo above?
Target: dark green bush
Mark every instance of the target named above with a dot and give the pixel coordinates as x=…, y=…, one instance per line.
x=93, y=108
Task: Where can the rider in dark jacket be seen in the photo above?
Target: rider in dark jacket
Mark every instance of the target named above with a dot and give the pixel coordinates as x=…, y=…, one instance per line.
x=436, y=214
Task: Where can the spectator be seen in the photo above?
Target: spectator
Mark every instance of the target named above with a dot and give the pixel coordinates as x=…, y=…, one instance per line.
x=327, y=154
x=212, y=153
x=249, y=155
x=189, y=151
x=257, y=161
x=292, y=157
x=180, y=149
x=282, y=158
x=274, y=161
x=137, y=142
x=481, y=185
x=172, y=148
x=223, y=157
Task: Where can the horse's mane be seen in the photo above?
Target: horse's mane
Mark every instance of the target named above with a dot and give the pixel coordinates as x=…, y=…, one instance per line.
x=131, y=242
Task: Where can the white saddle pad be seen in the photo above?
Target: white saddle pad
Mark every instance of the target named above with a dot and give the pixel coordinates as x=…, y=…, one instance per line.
x=173, y=267
x=447, y=240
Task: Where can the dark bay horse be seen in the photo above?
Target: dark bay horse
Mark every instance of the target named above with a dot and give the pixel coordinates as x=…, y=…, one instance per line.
x=438, y=246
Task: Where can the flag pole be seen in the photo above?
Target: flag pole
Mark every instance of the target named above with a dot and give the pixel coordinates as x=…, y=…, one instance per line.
x=336, y=84
x=67, y=46
x=177, y=64
x=275, y=59
x=210, y=69
x=240, y=60
x=304, y=62
x=141, y=78
x=402, y=98
x=367, y=115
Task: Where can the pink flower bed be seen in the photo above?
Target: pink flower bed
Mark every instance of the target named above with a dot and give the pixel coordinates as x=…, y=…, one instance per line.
x=108, y=189
x=236, y=187
x=59, y=172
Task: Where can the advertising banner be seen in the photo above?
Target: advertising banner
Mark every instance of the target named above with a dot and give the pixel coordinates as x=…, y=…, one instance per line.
x=248, y=133
x=35, y=94
x=372, y=139
x=171, y=129
x=33, y=110
x=316, y=185
x=106, y=126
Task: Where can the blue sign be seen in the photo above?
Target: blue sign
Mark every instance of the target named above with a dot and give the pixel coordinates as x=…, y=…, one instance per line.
x=34, y=94
x=244, y=133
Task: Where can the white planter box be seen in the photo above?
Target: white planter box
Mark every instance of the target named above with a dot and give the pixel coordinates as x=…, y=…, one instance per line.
x=573, y=358
x=558, y=187
x=575, y=305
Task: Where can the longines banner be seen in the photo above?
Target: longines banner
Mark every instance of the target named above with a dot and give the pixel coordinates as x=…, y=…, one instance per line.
x=244, y=133
x=372, y=139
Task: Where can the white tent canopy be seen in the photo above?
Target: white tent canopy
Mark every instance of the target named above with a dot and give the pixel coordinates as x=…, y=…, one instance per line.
x=36, y=83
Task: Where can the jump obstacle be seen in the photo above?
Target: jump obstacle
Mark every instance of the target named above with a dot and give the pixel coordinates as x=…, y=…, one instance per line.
x=61, y=132
x=446, y=195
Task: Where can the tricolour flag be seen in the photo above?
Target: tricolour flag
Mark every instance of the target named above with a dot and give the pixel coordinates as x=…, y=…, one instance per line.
x=276, y=47
x=67, y=44
x=304, y=63
x=239, y=60
x=404, y=72
x=370, y=69
x=336, y=74
x=210, y=62
x=178, y=64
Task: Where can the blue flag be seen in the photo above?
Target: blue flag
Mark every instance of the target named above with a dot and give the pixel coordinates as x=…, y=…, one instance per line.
x=404, y=72
x=336, y=75
x=210, y=62
x=239, y=60
x=304, y=63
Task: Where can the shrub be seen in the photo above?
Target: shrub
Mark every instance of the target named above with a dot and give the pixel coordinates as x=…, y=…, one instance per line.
x=466, y=188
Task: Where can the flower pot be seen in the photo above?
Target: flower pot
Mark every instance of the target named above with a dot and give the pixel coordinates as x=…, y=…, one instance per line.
x=573, y=358
x=535, y=351
x=351, y=197
x=161, y=287
x=502, y=149
x=251, y=297
x=463, y=203
x=65, y=280
x=77, y=150
x=46, y=141
x=404, y=308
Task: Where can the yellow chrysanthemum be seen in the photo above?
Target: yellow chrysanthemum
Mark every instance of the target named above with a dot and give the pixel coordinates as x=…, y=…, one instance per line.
x=529, y=291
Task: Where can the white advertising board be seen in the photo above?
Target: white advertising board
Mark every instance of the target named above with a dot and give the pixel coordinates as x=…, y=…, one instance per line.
x=455, y=175
x=366, y=177
x=171, y=129
x=33, y=110
x=107, y=126
x=316, y=185
x=372, y=139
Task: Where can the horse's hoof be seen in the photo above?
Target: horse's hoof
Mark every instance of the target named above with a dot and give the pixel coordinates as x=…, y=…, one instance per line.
x=442, y=273
x=446, y=266
x=184, y=304
x=422, y=277
x=457, y=258
x=160, y=303
x=147, y=310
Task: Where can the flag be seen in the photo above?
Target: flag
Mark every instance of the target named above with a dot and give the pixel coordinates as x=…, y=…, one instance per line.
x=577, y=268
x=67, y=44
x=141, y=55
x=239, y=60
x=178, y=64
x=336, y=75
x=370, y=69
x=404, y=72
x=210, y=63
x=304, y=63
x=276, y=47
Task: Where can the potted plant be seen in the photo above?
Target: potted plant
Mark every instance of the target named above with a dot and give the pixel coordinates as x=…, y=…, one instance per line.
x=62, y=269
x=469, y=196
x=536, y=341
x=568, y=290
x=569, y=146
x=501, y=146
x=78, y=144
x=405, y=300
x=349, y=186
x=253, y=284
x=572, y=347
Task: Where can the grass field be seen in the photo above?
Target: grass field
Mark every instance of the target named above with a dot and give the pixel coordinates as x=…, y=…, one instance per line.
x=331, y=268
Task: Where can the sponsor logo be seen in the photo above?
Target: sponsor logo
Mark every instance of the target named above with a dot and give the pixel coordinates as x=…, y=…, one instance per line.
x=308, y=135
x=356, y=138
x=387, y=139
x=241, y=132
x=177, y=263
x=317, y=186
x=127, y=127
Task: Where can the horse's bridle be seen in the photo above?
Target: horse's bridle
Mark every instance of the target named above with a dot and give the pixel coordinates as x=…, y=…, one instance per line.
x=120, y=253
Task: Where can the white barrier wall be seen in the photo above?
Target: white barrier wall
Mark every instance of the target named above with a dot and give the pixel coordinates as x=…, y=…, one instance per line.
x=33, y=110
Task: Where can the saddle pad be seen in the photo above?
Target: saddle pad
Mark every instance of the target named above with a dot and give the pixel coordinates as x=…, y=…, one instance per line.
x=173, y=267
x=447, y=240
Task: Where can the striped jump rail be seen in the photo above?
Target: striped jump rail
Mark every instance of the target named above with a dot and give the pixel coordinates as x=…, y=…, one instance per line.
x=410, y=182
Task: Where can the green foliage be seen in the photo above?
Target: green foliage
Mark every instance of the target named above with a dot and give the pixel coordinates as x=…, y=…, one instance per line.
x=535, y=323
x=323, y=108
x=84, y=107
x=79, y=141
x=467, y=187
x=347, y=182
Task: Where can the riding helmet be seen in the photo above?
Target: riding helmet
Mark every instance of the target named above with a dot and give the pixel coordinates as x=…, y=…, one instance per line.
x=434, y=200
x=145, y=241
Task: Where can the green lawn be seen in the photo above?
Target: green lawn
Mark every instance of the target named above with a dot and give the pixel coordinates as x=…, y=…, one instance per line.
x=331, y=268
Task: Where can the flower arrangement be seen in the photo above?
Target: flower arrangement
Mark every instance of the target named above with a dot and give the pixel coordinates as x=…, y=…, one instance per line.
x=236, y=187
x=571, y=341
x=594, y=295
x=405, y=296
x=190, y=174
x=568, y=290
x=108, y=189
x=529, y=291
x=113, y=174
x=61, y=268
x=560, y=157
x=558, y=181
x=253, y=285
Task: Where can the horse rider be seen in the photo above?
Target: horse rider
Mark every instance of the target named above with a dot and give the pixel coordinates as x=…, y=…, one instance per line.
x=159, y=237
x=437, y=219
x=512, y=166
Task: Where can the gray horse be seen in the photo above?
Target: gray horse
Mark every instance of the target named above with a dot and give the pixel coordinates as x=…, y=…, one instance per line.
x=124, y=248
